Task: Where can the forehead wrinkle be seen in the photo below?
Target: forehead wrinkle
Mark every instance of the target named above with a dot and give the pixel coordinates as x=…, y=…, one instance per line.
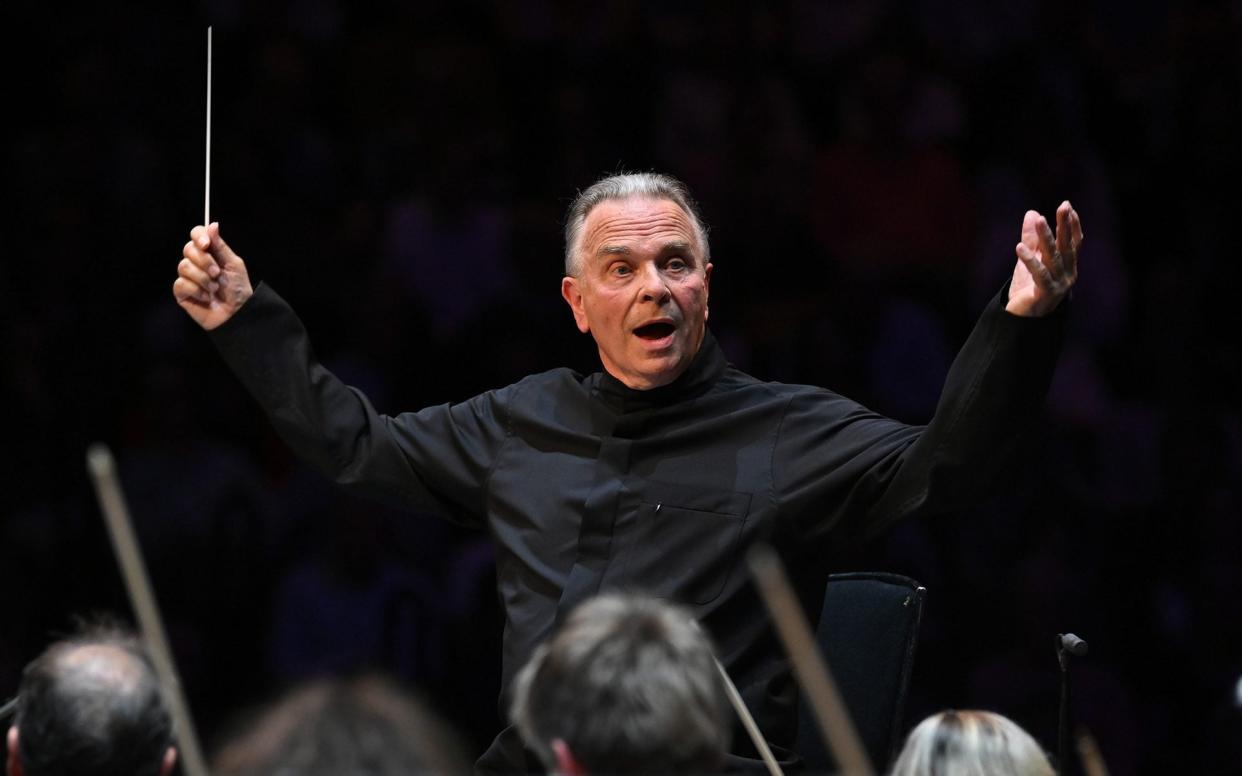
x=645, y=227
x=613, y=230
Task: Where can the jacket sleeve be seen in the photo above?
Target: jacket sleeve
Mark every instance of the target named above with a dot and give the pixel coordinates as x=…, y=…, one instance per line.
x=437, y=459
x=837, y=465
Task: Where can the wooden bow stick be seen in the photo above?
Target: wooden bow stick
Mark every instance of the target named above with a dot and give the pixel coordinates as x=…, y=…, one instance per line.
x=748, y=722
x=809, y=665
x=125, y=545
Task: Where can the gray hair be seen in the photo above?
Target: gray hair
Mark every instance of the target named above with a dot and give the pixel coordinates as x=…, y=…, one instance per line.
x=332, y=727
x=630, y=684
x=651, y=185
x=970, y=743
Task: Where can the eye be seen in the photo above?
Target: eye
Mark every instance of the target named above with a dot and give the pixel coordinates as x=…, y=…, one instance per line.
x=676, y=264
x=620, y=270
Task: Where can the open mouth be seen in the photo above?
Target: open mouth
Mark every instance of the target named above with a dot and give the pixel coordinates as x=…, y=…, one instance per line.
x=655, y=331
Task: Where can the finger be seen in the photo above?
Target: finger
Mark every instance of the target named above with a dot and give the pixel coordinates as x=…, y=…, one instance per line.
x=1031, y=260
x=1075, y=243
x=1030, y=232
x=188, y=270
x=200, y=258
x=1075, y=230
x=1047, y=247
x=219, y=248
x=187, y=292
x=1064, y=242
x=200, y=237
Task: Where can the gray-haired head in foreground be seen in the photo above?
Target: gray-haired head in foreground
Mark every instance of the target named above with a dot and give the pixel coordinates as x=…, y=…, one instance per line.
x=648, y=185
x=368, y=724
x=630, y=685
x=970, y=743
x=92, y=704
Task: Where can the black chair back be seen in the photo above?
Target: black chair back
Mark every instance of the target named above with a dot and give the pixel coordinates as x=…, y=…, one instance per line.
x=868, y=630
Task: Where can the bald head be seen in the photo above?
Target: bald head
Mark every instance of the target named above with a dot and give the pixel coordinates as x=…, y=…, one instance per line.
x=91, y=670
x=91, y=705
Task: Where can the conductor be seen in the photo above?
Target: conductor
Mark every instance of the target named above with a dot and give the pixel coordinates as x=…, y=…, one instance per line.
x=656, y=472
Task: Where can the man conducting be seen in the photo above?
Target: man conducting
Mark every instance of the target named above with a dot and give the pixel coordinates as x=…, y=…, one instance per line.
x=658, y=471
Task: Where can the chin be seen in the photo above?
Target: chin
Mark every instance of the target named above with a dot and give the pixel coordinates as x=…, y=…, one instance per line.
x=664, y=374
x=648, y=371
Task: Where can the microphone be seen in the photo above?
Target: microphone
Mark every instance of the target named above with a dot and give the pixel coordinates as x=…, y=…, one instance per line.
x=1067, y=644
x=1072, y=644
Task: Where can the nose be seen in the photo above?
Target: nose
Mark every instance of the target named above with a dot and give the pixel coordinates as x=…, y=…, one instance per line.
x=654, y=287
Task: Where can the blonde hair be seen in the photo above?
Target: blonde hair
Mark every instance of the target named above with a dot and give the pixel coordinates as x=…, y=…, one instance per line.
x=970, y=743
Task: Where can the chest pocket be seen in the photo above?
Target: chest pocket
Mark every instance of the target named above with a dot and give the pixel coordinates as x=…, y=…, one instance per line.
x=680, y=542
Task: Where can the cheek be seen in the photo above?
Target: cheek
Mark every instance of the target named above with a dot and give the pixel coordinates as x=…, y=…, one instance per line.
x=610, y=309
x=693, y=298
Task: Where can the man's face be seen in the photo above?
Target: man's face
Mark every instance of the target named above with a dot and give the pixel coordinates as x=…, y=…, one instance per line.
x=641, y=289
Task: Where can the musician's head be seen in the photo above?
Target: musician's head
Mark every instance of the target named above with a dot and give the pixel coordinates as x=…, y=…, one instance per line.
x=627, y=684
x=970, y=743
x=332, y=726
x=637, y=274
x=91, y=704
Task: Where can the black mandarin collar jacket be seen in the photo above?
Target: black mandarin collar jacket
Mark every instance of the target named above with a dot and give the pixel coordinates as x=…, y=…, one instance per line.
x=586, y=485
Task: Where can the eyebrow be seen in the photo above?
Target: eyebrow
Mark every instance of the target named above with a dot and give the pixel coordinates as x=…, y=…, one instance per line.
x=677, y=246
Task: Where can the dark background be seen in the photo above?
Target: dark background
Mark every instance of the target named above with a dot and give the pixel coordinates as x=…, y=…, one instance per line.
x=400, y=174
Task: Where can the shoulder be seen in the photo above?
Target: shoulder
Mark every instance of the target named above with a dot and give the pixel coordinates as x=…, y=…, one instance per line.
x=560, y=379
x=737, y=391
x=802, y=402
x=553, y=385
x=735, y=380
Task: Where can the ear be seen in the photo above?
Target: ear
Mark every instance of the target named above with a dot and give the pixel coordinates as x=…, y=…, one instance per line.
x=170, y=759
x=707, y=289
x=572, y=293
x=566, y=763
x=13, y=763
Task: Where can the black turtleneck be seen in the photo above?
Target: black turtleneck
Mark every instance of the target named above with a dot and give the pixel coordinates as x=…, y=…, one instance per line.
x=588, y=485
x=705, y=368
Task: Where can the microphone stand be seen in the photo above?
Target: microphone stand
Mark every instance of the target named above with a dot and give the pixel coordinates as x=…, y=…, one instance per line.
x=1067, y=644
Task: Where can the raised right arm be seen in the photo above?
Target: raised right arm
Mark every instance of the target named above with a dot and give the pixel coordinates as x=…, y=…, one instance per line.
x=436, y=459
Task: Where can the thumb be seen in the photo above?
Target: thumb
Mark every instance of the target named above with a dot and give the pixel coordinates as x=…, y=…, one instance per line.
x=220, y=250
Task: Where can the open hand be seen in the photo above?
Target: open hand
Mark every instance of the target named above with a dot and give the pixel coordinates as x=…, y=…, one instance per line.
x=1047, y=265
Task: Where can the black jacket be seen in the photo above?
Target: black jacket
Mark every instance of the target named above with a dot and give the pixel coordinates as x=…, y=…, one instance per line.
x=587, y=485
